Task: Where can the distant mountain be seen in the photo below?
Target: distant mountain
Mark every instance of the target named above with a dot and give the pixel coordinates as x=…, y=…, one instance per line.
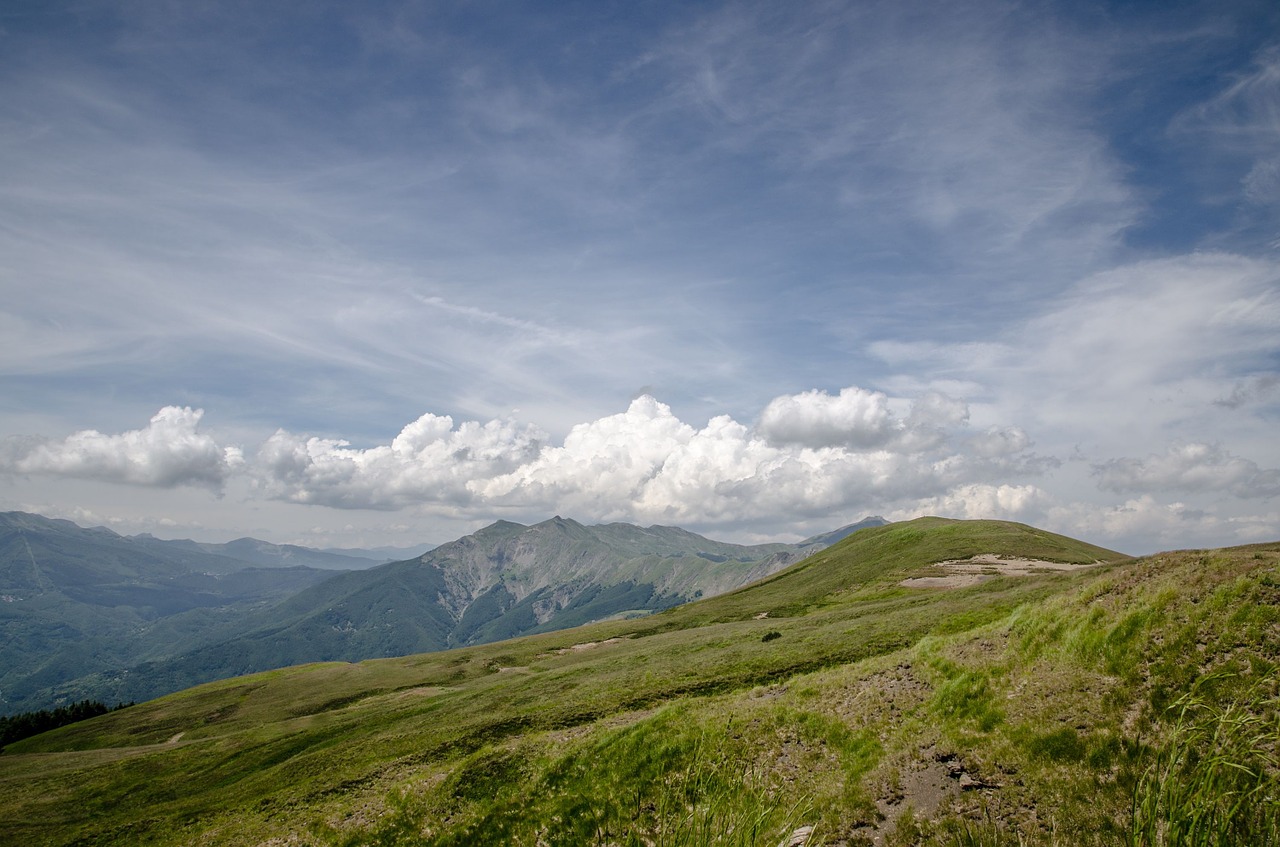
x=75, y=601
x=381, y=555
x=826, y=539
x=502, y=581
x=265, y=554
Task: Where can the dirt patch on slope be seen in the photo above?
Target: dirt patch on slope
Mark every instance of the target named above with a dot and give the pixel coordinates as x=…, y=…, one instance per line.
x=586, y=645
x=958, y=573
x=928, y=786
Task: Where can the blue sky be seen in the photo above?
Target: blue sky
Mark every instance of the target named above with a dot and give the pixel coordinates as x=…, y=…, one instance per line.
x=380, y=273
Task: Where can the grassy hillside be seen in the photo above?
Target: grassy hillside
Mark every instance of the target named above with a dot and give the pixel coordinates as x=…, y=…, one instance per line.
x=87, y=613
x=1094, y=706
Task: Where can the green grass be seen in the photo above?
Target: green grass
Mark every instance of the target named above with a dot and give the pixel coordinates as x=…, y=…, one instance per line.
x=666, y=780
x=1215, y=780
x=1060, y=696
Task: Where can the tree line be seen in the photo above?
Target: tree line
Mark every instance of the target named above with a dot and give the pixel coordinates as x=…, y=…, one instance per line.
x=24, y=725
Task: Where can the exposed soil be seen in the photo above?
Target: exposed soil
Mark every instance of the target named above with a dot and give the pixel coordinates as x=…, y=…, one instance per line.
x=928, y=786
x=586, y=645
x=961, y=572
x=891, y=693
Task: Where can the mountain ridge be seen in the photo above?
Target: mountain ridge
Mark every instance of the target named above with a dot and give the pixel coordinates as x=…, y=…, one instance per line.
x=503, y=580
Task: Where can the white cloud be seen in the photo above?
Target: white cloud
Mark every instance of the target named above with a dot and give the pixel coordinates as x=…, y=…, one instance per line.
x=169, y=452
x=855, y=418
x=1122, y=357
x=648, y=466
x=1242, y=119
x=979, y=501
x=997, y=442
x=603, y=466
x=428, y=462
x=1191, y=467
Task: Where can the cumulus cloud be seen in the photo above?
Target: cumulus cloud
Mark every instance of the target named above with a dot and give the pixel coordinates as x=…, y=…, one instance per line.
x=170, y=452
x=647, y=465
x=855, y=418
x=603, y=465
x=428, y=462
x=1189, y=467
x=809, y=460
x=859, y=420
x=997, y=442
x=980, y=500
x=812, y=454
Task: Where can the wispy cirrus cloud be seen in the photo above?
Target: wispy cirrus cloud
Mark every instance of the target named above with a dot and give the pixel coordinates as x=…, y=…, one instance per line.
x=916, y=133
x=1132, y=352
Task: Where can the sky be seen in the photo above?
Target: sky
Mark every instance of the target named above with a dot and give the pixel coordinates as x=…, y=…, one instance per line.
x=362, y=274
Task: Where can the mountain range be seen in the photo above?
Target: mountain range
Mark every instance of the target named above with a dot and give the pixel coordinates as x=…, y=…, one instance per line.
x=88, y=613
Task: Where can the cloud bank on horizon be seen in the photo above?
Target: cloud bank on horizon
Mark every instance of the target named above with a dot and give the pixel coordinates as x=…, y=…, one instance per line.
x=386, y=273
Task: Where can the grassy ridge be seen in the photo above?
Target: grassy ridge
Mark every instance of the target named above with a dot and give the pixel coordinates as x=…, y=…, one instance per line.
x=1034, y=706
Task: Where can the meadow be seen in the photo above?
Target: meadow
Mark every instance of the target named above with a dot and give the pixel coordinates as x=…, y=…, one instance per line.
x=1133, y=701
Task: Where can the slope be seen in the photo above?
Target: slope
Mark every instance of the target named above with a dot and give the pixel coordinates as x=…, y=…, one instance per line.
x=502, y=581
x=1032, y=709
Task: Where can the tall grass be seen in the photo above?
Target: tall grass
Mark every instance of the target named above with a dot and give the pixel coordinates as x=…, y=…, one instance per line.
x=711, y=804
x=1216, y=781
x=664, y=783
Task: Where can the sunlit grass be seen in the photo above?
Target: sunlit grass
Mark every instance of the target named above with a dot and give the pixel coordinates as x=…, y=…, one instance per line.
x=1215, y=781
x=687, y=727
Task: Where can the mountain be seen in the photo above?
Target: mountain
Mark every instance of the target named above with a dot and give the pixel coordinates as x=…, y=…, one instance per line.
x=826, y=539
x=262, y=554
x=90, y=614
x=76, y=601
x=380, y=555
x=504, y=580
x=930, y=682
